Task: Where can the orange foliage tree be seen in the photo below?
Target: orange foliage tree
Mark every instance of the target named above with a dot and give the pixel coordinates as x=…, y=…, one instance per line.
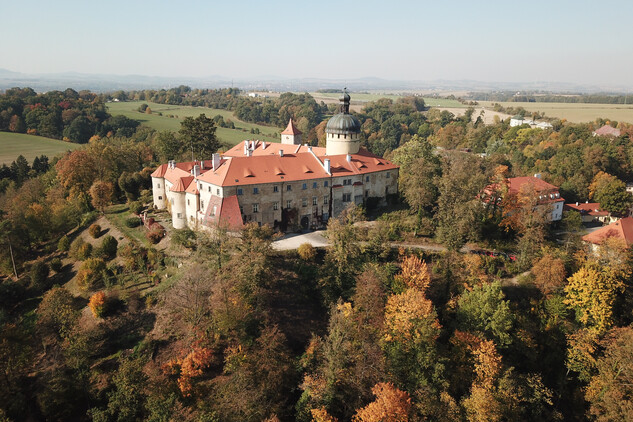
x=97, y=304
x=391, y=405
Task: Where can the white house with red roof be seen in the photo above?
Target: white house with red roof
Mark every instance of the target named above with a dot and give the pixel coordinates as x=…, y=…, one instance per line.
x=621, y=229
x=548, y=194
x=279, y=184
x=590, y=212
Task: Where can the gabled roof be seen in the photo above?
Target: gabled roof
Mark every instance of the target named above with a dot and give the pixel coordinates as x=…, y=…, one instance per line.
x=291, y=129
x=607, y=130
x=622, y=229
x=515, y=184
x=588, y=208
x=182, y=184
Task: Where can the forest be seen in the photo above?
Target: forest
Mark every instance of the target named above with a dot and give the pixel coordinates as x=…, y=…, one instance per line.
x=102, y=327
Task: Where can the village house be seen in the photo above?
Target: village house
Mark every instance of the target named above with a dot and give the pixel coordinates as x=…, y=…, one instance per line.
x=547, y=195
x=621, y=229
x=607, y=130
x=590, y=212
x=284, y=185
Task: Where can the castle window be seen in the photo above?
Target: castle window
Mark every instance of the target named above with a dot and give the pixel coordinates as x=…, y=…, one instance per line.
x=201, y=205
x=179, y=215
x=304, y=186
x=217, y=191
x=339, y=136
x=314, y=185
x=326, y=184
x=304, y=202
x=255, y=191
x=388, y=175
x=275, y=206
x=160, y=197
x=158, y=185
x=288, y=188
x=187, y=202
x=275, y=188
x=347, y=197
x=255, y=208
x=288, y=204
x=366, y=178
x=314, y=200
x=239, y=191
x=326, y=200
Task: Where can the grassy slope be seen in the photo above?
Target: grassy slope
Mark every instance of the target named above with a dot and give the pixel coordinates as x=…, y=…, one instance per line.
x=574, y=112
x=230, y=136
x=14, y=144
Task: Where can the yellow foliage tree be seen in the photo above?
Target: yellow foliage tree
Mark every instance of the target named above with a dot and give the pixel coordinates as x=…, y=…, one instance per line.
x=97, y=304
x=321, y=415
x=391, y=405
x=591, y=293
x=549, y=274
x=409, y=318
x=101, y=194
x=414, y=273
x=482, y=405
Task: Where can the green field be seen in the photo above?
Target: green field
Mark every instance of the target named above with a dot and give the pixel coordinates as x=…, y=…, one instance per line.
x=575, y=112
x=364, y=98
x=14, y=144
x=164, y=122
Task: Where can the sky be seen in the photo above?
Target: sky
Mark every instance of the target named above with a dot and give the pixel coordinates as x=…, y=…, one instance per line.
x=582, y=41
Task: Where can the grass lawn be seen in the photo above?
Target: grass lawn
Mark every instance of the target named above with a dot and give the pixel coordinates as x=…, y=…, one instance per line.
x=575, y=112
x=117, y=215
x=178, y=113
x=14, y=144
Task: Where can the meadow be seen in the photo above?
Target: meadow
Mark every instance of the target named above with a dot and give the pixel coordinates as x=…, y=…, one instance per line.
x=168, y=117
x=574, y=112
x=14, y=144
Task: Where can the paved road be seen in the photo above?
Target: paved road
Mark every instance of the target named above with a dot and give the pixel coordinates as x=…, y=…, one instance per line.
x=317, y=239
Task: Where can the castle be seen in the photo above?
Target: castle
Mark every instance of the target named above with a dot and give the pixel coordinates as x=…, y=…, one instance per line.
x=283, y=184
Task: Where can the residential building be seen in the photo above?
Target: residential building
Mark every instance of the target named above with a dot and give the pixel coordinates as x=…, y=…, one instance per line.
x=590, y=212
x=607, y=130
x=621, y=229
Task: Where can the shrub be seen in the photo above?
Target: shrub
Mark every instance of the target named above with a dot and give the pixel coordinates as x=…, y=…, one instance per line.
x=56, y=265
x=91, y=273
x=97, y=304
x=307, y=252
x=183, y=237
x=94, y=230
x=39, y=274
x=64, y=244
x=154, y=236
x=84, y=251
x=108, y=247
x=136, y=207
x=133, y=222
x=74, y=247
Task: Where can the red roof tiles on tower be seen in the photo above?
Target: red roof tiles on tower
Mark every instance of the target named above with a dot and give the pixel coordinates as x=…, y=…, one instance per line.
x=291, y=129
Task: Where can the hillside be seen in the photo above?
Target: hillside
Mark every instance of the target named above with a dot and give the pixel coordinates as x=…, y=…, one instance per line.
x=14, y=144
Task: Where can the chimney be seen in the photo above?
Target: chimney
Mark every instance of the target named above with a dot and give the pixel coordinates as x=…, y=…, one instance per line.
x=281, y=152
x=249, y=153
x=252, y=145
x=196, y=170
x=309, y=147
x=201, y=164
x=245, y=147
x=349, y=158
x=215, y=159
x=537, y=175
x=577, y=204
x=263, y=144
x=326, y=165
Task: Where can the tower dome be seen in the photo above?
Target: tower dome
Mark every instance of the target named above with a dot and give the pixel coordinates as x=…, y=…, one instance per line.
x=342, y=131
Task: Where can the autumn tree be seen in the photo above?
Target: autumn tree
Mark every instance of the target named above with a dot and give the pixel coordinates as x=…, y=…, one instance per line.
x=549, y=274
x=76, y=171
x=97, y=304
x=591, y=292
x=611, y=193
x=101, y=194
x=391, y=404
x=610, y=391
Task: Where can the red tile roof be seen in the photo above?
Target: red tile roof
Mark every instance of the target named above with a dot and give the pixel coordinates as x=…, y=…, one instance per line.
x=540, y=186
x=588, y=208
x=622, y=229
x=227, y=212
x=182, y=184
x=291, y=129
x=607, y=130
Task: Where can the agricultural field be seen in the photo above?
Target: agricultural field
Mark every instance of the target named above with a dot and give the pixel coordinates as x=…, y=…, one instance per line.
x=14, y=144
x=360, y=99
x=172, y=115
x=574, y=112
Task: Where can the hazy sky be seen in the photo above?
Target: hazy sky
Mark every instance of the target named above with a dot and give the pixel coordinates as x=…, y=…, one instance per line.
x=564, y=41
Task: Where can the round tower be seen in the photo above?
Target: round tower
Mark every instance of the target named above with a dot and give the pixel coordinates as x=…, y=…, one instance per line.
x=342, y=133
